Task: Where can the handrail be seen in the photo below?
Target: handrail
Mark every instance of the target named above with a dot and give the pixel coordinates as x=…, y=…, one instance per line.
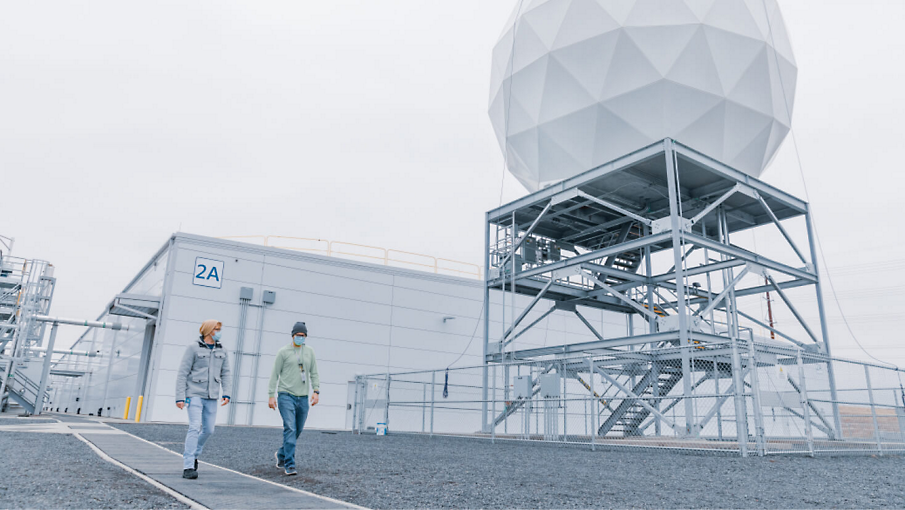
x=379, y=253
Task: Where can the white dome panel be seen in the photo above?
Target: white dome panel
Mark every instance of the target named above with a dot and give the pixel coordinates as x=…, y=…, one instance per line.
x=598, y=79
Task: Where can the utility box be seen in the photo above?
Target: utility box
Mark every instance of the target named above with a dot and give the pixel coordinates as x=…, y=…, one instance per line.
x=522, y=387
x=550, y=385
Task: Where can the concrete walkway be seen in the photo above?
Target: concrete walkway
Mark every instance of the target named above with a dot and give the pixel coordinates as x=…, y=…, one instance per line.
x=215, y=488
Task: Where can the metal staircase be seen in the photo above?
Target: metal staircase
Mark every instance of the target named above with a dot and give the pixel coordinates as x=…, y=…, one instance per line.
x=626, y=419
x=21, y=390
x=26, y=291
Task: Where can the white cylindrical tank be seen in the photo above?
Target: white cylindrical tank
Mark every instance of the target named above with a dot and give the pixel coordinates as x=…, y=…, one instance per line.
x=578, y=83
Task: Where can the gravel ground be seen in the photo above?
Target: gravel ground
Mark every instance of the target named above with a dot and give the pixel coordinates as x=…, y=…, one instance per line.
x=414, y=471
x=43, y=470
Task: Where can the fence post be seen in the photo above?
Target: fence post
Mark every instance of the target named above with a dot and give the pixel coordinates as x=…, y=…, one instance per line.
x=593, y=407
x=873, y=409
x=564, y=400
x=433, y=397
x=741, y=411
x=805, y=405
x=423, y=407
x=355, y=409
x=386, y=406
x=758, y=411
x=493, y=409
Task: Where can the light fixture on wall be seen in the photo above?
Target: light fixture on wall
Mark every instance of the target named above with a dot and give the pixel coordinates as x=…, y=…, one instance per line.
x=448, y=319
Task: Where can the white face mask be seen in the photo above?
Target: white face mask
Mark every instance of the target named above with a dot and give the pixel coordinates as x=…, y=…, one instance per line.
x=298, y=340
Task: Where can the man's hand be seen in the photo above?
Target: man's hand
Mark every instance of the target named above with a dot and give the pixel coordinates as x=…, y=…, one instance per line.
x=224, y=401
x=315, y=398
x=180, y=404
x=272, y=403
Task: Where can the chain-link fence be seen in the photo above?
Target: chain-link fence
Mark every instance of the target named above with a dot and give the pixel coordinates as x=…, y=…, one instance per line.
x=735, y=397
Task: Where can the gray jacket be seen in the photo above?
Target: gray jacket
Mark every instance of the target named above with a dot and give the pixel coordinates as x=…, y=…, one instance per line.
x=203, y=372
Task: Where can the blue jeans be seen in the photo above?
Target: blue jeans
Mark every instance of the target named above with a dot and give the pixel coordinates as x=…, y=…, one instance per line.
x=294, y=411
x=202, y=418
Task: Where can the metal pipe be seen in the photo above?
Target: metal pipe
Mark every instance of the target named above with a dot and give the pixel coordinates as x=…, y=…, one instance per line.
x=77, y=322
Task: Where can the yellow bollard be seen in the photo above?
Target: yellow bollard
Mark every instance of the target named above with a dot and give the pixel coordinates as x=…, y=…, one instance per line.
x=138, y=411
x=128, y=405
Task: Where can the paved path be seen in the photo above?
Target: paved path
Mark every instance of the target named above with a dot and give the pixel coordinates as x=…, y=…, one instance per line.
x=215, y=488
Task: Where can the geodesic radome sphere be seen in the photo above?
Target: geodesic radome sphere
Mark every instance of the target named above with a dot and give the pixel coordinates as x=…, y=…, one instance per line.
x=587, y=81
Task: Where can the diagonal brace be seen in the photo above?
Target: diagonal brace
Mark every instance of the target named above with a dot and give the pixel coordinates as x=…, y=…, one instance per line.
x=631, y=302
x=533, y=323
x=528, y=309
x=792, y=308
x=782, y=230
x=715, y=204
x=722, y=295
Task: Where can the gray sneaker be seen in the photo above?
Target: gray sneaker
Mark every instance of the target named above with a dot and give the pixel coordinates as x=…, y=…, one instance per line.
x=290, y=471
x=276, y=455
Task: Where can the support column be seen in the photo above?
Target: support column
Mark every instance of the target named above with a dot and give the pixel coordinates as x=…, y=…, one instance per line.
x=486, y=312
x=675, y=198
x=831, y=374
x=741, y=414
x=45, y=372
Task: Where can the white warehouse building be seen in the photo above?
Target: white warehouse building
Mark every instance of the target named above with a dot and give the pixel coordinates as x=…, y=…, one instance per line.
x=363, y=318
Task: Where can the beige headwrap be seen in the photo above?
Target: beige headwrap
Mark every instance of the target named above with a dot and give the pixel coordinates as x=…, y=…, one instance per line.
x=207, y=327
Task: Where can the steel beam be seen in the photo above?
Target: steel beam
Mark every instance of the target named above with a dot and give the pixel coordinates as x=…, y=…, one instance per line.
x=739, y=253
x=709, y=268
x=655, y=338
x=615, y=207
x=590, y=256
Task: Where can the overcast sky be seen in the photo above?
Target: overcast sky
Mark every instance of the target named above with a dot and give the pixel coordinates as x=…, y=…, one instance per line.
x=123, y=122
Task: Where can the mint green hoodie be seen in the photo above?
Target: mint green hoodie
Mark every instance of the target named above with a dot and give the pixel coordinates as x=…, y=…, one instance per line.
x=286, y=371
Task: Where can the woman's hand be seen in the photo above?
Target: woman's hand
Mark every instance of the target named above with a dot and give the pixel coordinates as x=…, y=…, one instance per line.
x=272, y=403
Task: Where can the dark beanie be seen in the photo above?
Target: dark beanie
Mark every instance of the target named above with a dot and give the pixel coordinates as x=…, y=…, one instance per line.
x=299, y=328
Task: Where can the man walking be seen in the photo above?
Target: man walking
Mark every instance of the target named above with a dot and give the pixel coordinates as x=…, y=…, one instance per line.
x=294, y=373
x=203, y=371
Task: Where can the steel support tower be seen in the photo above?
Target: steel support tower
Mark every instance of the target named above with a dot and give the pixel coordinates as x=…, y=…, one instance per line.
x=603, y=240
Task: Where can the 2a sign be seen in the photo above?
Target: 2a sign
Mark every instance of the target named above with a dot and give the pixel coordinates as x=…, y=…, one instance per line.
x=208, y=272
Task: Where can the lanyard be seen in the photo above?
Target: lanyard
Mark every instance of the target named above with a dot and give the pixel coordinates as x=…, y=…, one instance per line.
x=298, y=356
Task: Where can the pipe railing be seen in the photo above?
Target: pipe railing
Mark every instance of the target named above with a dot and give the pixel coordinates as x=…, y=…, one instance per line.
x=385, y=256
